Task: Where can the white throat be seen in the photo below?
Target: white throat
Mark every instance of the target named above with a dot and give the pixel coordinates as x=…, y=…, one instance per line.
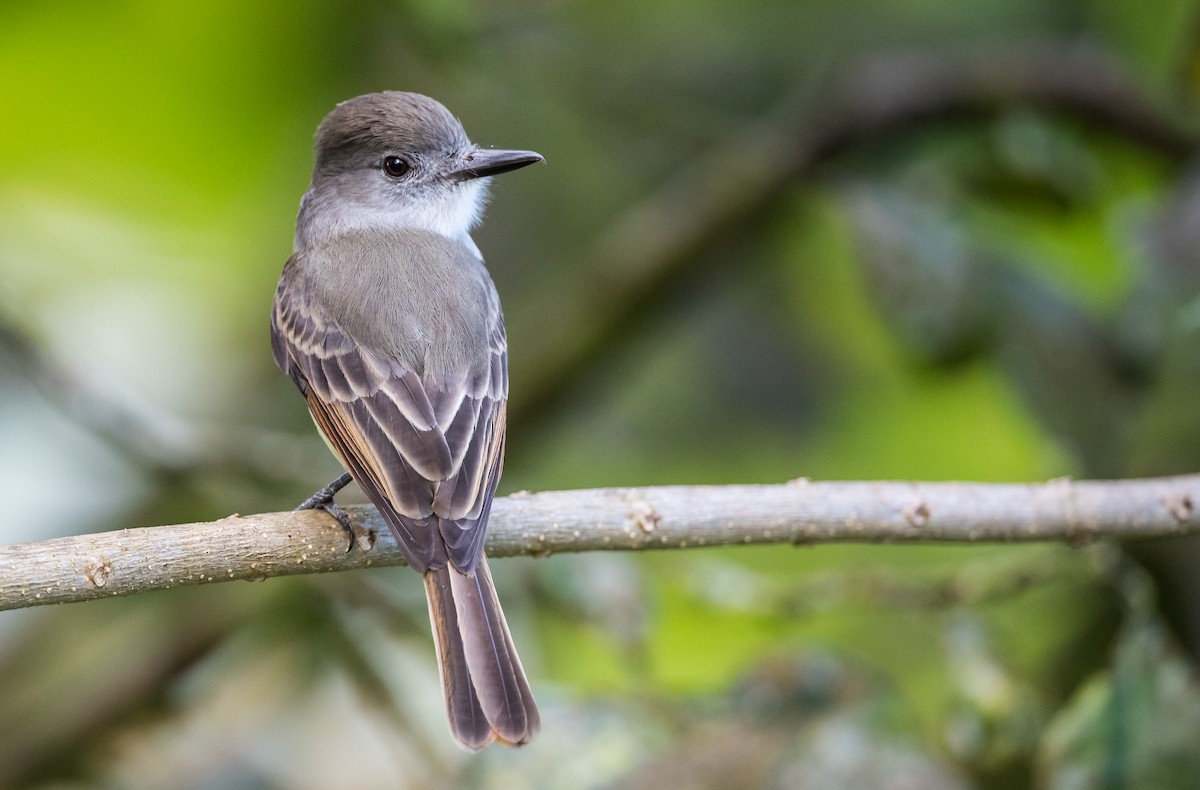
x=451, y=213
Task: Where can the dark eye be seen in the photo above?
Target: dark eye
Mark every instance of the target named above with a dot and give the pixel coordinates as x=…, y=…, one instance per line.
x=396, y=166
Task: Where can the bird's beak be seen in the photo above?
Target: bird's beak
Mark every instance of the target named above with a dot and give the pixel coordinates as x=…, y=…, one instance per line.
x=481, y=162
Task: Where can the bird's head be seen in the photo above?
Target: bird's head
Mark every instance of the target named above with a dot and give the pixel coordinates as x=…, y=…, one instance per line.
x=399, y=160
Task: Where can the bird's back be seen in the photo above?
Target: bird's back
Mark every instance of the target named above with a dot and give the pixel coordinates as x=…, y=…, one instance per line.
x=415, y=297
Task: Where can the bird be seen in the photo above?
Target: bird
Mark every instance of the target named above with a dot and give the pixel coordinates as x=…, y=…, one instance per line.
x=389, y=324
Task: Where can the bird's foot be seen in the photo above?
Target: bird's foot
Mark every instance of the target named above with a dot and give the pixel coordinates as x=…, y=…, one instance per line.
x=322, y=499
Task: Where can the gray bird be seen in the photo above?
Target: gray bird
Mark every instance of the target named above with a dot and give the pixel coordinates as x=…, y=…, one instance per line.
x=388, y=322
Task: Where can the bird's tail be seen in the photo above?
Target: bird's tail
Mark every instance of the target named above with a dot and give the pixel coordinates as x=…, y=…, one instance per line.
x=487, y=695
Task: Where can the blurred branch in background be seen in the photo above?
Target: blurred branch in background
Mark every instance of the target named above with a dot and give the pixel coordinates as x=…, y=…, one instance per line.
x=731, y=186
x=160, y=444
x=801, y=513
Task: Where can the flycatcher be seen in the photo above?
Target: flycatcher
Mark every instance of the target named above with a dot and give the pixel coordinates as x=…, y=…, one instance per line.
x=388, y=322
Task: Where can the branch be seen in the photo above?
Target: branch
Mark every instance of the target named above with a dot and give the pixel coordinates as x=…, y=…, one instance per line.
x=618, y=519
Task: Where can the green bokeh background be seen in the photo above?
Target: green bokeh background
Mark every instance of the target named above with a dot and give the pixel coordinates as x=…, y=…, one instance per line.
x=151, y=159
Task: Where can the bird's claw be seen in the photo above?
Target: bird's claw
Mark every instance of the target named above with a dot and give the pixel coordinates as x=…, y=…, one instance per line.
x=322, y=499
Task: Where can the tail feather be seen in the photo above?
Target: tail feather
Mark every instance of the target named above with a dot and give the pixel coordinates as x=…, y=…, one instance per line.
x=467, y=720
x=487, y=695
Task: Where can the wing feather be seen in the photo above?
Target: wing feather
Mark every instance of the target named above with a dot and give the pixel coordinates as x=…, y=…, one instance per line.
x=426, y=449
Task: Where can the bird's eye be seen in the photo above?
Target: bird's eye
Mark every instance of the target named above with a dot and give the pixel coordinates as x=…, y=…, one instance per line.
x=396, y=166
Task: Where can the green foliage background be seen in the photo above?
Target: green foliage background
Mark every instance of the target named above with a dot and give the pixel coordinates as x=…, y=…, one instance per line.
x=1008, y=295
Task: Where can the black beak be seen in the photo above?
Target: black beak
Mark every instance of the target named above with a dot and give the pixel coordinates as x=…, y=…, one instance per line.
x=482, y=162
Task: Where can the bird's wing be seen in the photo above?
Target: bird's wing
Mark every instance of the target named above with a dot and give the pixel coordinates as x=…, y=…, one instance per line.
x=426, y=450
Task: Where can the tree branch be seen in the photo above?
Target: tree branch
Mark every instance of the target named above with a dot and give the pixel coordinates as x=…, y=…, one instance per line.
x=618, y=519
